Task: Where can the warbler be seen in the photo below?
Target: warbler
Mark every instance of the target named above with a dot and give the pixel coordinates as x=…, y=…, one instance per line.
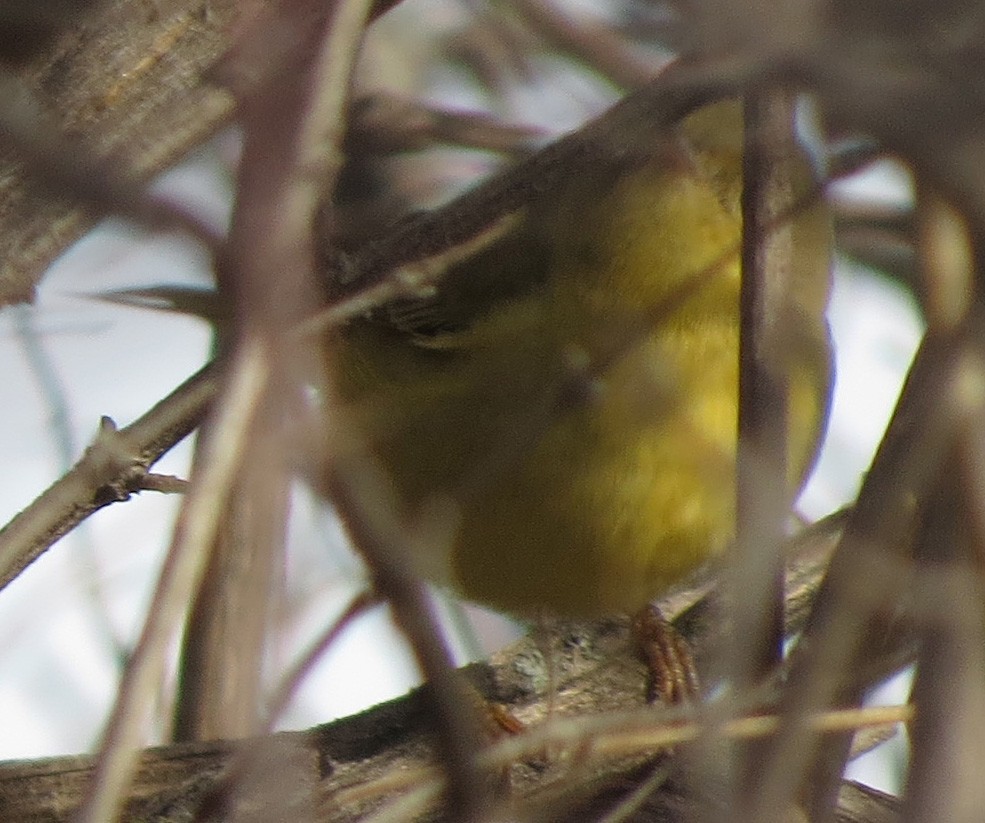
x=571, y=387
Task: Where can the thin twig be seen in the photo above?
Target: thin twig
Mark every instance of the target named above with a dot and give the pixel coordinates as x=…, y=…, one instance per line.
x=365, y=505
x=180, y=577
x=83, y=489
x=763, y=499
x=767, y=269
x=290, y=682
x=595, y=44
x=290, y=73
x=608, y=737
x=850, y=614
x=164, y=483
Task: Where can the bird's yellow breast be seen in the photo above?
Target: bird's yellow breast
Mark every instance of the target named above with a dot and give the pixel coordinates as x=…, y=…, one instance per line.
x=584, y=427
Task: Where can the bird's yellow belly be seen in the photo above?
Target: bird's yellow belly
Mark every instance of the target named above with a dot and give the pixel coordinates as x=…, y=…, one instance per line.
x=568, y=499
x=644, y=497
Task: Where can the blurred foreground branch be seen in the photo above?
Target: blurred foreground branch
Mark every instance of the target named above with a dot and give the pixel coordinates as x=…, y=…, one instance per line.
x=384, y=758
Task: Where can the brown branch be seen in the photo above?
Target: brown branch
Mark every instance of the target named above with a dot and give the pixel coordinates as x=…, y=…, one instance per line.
x=123, y=88
x=596, y=45
x=109, y=471
x=762, y=503
x=869, y=574
x=363, y=503
x=355, y=765
x=906, y=103
x=125, y=85
x=164, y=483
x=290, y=72
x=384, y=123
x=179, y=579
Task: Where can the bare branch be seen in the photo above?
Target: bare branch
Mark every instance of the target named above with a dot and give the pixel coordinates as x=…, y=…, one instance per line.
x=180, y=577
x=103, y=475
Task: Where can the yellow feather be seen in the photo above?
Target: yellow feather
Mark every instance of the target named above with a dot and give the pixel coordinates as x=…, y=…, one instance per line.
x=583, y=421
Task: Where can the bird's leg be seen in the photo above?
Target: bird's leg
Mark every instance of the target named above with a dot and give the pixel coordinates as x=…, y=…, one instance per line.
x=673, y=677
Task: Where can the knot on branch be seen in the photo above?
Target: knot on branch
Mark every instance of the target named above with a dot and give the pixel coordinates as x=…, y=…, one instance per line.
x=114, y=465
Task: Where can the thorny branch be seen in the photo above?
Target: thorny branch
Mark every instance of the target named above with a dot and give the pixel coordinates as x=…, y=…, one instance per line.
x=109, y=471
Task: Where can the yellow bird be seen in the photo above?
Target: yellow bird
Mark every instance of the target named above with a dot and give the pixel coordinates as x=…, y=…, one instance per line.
x=571, y=388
